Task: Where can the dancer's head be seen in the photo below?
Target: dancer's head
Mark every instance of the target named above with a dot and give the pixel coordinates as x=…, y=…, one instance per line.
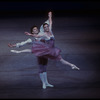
x=46, y=27
x=34, y=30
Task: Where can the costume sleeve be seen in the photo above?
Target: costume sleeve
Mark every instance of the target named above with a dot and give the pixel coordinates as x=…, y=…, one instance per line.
x=23, y=43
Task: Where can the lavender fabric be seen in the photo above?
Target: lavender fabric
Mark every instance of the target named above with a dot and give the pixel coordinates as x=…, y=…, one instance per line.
x=46, y=49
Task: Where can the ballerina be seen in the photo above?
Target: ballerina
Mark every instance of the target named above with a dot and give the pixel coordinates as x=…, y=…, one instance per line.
x=44, y=46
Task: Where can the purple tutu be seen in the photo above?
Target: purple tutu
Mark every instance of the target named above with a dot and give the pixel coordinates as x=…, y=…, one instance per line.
x=47, y=49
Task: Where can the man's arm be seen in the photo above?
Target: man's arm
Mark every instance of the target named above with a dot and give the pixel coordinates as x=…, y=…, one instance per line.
x=20, y=44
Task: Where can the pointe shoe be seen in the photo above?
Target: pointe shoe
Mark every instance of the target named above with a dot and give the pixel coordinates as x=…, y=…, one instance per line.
x=14, y=51
x=49, y=85
x=74, y=67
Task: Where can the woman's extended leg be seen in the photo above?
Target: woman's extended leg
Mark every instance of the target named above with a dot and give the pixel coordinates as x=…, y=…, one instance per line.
x=70, y=64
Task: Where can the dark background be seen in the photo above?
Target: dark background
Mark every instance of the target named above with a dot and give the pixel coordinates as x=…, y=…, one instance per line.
x=62, y=8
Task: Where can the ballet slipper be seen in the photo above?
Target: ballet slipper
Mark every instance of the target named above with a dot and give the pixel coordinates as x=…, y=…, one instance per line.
x=74, y=67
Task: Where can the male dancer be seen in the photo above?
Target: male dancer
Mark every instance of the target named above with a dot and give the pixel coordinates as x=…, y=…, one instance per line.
x=42, y=61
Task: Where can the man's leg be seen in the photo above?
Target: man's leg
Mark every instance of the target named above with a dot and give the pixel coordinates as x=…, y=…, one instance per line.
x=42, y=71
x=42, y=68
x=44, y=63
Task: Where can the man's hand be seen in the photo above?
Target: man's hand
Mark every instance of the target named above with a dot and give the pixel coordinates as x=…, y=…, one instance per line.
x=11, y=45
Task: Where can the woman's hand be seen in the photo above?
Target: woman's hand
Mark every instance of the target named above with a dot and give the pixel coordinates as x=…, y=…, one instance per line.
x=50, y=14
x=28, y=33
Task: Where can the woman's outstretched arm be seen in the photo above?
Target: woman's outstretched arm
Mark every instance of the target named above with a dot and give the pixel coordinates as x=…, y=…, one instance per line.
x=50, y=20
x=20, y=51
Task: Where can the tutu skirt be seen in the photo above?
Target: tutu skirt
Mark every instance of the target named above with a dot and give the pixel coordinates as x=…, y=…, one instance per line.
x=46, y=48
